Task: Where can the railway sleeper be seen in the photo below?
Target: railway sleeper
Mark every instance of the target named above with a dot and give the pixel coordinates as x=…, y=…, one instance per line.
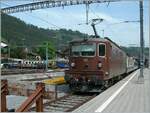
x=77, y=100
x=83, y=97
x=76, y=96
x=70, y=98
x=52, y=108
x=66, y=103
x=79, y=97
x=55, y=108
x=74, y=102
x=60, y=105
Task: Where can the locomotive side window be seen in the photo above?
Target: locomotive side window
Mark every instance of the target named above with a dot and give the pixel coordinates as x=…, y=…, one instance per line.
x=102, y=49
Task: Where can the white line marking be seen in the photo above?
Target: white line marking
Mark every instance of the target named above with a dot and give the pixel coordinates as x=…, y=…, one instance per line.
x=107, y=102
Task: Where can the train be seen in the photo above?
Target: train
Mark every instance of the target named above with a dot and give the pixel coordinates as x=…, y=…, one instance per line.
x=96, y=63
x=62, y=63
x=33, y=64
x=10, y=63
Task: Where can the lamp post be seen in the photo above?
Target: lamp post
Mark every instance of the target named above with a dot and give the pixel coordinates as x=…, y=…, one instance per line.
x=8, y=51
x=149, y=40
x=8, y=48
x=46, y=56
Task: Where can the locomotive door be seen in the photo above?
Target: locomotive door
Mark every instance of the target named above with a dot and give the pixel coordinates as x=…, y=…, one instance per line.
x=102, y=54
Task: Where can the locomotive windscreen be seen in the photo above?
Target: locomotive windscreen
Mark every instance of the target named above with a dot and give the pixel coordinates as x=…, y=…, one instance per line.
x=83, y=49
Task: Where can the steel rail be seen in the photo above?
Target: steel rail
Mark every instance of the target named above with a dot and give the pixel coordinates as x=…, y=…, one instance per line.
x=78, y=105
x=66, y=103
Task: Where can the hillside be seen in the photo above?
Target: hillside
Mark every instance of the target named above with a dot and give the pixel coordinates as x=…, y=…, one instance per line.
x=17, y=32
x=135, y=51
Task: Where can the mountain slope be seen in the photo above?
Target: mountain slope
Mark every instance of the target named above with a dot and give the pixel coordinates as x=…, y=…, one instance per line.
x=17, y=32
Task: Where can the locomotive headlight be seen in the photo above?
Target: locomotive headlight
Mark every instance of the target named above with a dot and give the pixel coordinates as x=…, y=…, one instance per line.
x=99, y=65
x=76, y=79
x=106, y=73
x=73, y=64
x=89, y=80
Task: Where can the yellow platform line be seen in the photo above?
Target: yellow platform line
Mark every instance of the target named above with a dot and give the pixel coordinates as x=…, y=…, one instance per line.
x=58, y=80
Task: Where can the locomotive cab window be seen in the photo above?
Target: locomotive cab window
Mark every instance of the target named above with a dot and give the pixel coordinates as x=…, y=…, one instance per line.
x=84, y=49
x=102, y=49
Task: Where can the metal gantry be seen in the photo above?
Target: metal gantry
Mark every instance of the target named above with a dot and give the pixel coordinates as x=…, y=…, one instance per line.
x=49, y=4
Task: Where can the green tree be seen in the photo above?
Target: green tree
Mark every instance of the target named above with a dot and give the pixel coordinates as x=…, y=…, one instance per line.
x=41, y=50
x=17, y=52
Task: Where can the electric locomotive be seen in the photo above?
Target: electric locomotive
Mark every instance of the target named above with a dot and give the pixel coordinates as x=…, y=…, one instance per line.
x=95, y=63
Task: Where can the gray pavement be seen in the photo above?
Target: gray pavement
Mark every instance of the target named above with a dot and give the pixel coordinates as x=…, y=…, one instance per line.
x=130, y=95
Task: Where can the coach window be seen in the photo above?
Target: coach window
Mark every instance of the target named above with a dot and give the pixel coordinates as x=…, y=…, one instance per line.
x=102, y=49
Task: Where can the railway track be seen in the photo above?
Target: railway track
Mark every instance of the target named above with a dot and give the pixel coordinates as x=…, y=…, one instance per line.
x=71, y=102
x=20, y=71
x=66, y=103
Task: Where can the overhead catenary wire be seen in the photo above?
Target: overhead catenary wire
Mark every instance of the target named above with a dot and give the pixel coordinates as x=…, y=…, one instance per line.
x=37, y=17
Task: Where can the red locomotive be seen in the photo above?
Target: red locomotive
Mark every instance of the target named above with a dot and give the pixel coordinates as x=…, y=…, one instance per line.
x=96, y=63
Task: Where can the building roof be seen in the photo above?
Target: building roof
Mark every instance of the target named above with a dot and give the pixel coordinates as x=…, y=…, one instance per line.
x=3, y=44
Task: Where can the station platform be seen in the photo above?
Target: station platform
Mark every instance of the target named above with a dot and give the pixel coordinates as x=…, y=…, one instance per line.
x=130, y=95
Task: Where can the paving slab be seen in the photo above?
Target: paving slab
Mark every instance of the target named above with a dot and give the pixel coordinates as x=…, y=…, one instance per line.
x=130, y=95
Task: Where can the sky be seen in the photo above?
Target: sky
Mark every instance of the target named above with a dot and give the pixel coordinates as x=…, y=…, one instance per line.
x=69, y=17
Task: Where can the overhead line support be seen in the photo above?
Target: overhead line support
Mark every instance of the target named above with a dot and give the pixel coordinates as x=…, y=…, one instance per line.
x=141, y=39
x=49, y=4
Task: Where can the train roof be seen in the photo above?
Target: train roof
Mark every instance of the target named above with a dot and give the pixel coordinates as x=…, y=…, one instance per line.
x=94, y=39
x=88, y=39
